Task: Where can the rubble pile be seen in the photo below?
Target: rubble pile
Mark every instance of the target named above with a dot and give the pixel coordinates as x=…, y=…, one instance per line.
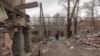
x=7, y=52
x=93, y=41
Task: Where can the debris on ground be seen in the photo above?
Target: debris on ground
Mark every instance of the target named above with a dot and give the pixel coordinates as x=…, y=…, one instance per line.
x=7, y=52
x=36, y=39
x=93, y=41
x=90, y=41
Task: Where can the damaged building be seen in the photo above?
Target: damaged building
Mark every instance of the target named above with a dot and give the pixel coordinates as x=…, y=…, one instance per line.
x=14, y=27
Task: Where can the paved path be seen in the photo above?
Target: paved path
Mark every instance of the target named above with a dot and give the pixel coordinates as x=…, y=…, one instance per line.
x=58, y=48
x=63, y=48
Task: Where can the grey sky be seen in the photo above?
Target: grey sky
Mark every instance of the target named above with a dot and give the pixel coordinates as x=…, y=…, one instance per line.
x=50, y=7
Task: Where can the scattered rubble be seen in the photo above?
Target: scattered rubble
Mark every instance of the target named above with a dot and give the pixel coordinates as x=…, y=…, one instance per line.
x=7, y=52
x=92, y=42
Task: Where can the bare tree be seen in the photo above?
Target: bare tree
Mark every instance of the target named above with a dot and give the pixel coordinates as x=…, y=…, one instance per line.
x=76, y=19
x=70, y=14
x=91, y=9
x=68, y=20
x=69, y=32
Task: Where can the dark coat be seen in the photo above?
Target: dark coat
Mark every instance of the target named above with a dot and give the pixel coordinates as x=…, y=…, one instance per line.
x=57, y=36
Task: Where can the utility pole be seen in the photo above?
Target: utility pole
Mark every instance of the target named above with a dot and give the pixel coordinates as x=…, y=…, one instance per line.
x=93, y=21
x=43, y=22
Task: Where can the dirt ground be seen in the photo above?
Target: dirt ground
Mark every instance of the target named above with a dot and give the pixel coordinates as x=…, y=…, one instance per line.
x=65, y=48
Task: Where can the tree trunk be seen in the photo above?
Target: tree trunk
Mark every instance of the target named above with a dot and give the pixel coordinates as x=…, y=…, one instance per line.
x=18, y=43
x=22, y=48
x=27, y=40
x=1, y=42
x=68, y=20
x=76, y=19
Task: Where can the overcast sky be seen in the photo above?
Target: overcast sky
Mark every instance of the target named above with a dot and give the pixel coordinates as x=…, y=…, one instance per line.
x=50, y=7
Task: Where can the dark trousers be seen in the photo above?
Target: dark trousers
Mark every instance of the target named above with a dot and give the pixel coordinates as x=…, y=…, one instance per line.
x=57, y=38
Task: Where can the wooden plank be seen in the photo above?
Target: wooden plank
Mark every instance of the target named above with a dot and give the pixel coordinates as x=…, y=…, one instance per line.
x=89, y=43
x=28, y=5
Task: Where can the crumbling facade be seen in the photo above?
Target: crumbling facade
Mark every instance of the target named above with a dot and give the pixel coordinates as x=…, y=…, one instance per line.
x=86, y=25
x=15, y=22
x=51, y=30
